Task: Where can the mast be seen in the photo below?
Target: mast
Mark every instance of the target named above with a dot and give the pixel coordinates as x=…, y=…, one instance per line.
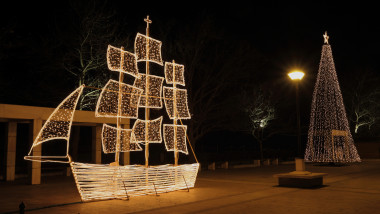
x=118, y=118
x=175, y=118
x=148, y=21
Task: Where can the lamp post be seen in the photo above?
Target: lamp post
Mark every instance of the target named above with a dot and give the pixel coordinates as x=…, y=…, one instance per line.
x=297, y=76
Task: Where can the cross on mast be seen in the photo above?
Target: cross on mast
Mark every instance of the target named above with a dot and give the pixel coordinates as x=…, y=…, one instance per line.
x=148, y=21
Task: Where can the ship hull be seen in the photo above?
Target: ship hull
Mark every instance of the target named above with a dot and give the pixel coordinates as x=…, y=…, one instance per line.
x=102, y=181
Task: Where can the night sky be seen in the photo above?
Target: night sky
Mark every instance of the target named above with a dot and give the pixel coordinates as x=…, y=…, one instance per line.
x=283, y=34
x=286, y=34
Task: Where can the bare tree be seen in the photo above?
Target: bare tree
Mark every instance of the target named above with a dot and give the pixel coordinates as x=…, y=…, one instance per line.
x=365, y=110
x=212, y=70
x=364, y=101
x=260, y=111
x=93, y=29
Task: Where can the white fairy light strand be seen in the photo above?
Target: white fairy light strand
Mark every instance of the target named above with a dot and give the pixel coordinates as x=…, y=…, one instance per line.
x=107, y=105
x=154, y=130
x=154, y=54
x=154, y=89
x=111, y=181
x=180, y=133
x=102, y=181
x=329, y=136
x=179, y=77
x=122, y=61
x=127, y=140
x=181, y=103
x=58, y=125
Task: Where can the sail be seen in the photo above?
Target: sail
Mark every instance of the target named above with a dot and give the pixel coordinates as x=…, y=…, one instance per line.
x=107, y=105
x=127, y=140
x=177, y=70
x=180, y=135
x=154, y=88
x=57, y=126
x=142, y=43
x=154, y=130
x=122, y=61
x=181, y=103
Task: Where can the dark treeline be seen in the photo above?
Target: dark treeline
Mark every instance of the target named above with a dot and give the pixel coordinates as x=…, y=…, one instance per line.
x=230, y=53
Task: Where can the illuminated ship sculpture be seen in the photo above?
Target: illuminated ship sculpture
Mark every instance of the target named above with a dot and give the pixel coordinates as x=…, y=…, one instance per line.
x=119, y=100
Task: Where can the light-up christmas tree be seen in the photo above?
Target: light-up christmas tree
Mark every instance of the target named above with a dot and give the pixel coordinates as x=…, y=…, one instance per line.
x=329, y=137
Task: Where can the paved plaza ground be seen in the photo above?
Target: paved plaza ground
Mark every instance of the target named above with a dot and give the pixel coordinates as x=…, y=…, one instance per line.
x=347, y=189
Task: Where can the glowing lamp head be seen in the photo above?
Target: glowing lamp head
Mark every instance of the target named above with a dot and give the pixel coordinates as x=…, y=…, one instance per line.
x=296, y=75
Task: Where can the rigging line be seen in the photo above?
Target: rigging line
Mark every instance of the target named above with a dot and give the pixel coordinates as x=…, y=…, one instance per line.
x=187, y=136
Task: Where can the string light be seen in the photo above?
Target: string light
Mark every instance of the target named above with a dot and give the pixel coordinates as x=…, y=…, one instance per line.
x=329, y=136
x=127, y=140
x=122, y=61
x=180, y=132
x=181, y=103
x=154, y=54
x=102, y=181
x=110, y=181
x=107, y=105
x=154, y=130
x=178, y=73
x=155, y=90
x=57, y=126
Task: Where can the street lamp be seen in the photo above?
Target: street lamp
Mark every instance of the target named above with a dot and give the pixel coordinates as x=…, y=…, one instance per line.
x=297, y=76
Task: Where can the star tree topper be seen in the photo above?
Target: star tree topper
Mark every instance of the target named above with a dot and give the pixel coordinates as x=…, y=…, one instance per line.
x=326, y=37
